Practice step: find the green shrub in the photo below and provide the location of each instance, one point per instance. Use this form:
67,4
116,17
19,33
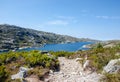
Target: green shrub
3,73
16,80
62,54
111,77
13,60
39,71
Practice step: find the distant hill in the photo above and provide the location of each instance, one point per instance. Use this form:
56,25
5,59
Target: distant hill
12,37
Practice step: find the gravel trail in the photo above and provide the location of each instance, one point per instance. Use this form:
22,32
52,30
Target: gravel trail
72,71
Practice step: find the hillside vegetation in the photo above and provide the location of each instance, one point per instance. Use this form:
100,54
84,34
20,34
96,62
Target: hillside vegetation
13,37
42,63
10,63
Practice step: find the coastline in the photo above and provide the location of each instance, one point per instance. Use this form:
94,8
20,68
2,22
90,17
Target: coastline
83,46
86,46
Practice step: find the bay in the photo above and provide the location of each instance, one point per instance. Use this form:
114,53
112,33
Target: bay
71,47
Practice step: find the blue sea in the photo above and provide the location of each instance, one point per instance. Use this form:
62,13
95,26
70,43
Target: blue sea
71,47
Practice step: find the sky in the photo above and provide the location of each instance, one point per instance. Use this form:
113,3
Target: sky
95,19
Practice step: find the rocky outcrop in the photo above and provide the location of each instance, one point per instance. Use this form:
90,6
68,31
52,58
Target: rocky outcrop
79,59
21,74
112,67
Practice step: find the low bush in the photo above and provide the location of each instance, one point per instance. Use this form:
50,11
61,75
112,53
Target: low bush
3,73
111,77
11,61
62,54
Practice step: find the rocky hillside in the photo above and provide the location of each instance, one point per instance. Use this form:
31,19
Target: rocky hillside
95,65
12,37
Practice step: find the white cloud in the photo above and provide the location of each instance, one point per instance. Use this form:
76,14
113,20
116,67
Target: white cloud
61,20
103,17
108,17
58,22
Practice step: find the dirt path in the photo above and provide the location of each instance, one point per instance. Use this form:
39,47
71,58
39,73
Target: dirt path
71,71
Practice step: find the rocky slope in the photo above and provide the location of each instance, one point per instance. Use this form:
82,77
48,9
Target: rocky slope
72,71
12,37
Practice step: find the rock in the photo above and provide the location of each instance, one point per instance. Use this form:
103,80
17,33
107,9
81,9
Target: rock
87,65
33,78
117,54
21,74
78,59
112,66
51,72
109,46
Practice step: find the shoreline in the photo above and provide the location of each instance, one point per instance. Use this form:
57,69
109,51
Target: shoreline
86,46
82,47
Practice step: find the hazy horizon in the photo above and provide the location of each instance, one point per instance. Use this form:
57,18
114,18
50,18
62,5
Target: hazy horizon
79,18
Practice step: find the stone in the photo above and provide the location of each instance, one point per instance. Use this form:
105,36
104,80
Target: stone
34,78
51,72
117,54
21,74
112,66
78,59
87,65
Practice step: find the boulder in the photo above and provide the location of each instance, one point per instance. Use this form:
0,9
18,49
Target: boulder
78,59
51,72
21,74
112,67
86,65
109,46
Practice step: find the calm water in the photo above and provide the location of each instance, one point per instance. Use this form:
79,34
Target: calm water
61,47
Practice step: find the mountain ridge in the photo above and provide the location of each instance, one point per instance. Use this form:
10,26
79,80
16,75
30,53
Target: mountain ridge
15,37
